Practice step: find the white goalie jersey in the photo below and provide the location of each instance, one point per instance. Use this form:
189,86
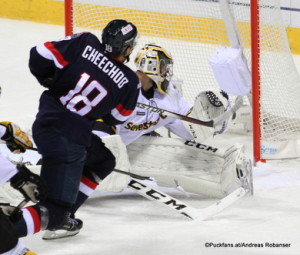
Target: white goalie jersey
142,121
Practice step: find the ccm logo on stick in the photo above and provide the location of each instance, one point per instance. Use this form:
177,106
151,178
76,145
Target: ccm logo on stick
200,146
155,195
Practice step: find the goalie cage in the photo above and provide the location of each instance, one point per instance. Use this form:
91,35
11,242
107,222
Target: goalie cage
192,31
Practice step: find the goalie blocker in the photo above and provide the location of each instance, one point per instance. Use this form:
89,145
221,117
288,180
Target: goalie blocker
206,170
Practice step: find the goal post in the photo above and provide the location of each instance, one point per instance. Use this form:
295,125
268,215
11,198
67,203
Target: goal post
193,30
68,17
254,20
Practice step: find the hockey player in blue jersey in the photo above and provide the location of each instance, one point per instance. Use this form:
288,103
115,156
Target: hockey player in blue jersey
86,80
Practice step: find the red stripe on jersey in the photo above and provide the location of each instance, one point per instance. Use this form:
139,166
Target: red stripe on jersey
35,218
56,53
123,111
89,183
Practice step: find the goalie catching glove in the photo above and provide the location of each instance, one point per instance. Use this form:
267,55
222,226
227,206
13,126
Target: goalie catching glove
29,184
16,140
208,105
213,103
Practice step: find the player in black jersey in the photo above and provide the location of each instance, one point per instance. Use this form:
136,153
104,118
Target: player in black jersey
86,80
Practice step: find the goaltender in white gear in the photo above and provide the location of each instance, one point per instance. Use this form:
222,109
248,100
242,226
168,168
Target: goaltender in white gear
174,162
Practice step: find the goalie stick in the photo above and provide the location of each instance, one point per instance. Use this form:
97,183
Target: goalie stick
136,176
181,207
177,205
210,123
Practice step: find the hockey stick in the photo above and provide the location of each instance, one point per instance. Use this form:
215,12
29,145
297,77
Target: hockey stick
175,204
22,204
182,208
136,176
17,211
210,123
237,105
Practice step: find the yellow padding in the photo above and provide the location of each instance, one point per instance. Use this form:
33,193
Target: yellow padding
294,39
52,12
172,26
43,11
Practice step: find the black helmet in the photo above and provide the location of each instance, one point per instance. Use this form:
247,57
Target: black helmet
118,35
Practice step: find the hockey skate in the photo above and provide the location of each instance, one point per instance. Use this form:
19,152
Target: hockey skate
244,174
69,227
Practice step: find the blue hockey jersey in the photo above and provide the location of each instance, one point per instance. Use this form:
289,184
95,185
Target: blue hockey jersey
84,84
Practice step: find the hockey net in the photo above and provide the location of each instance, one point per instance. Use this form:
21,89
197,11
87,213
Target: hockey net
192,30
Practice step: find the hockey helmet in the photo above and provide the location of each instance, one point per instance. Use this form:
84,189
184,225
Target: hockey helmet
118,35
156,63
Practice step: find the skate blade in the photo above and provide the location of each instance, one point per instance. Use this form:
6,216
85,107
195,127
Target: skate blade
58,234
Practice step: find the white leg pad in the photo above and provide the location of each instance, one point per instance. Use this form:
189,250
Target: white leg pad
116,182
201,169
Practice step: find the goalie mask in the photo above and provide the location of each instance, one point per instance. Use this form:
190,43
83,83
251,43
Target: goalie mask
157,64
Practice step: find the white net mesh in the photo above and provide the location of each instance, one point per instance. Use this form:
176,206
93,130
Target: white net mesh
280,84
192,30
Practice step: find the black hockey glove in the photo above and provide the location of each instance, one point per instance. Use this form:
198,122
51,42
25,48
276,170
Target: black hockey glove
47,82
31,185
16,140
11,211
